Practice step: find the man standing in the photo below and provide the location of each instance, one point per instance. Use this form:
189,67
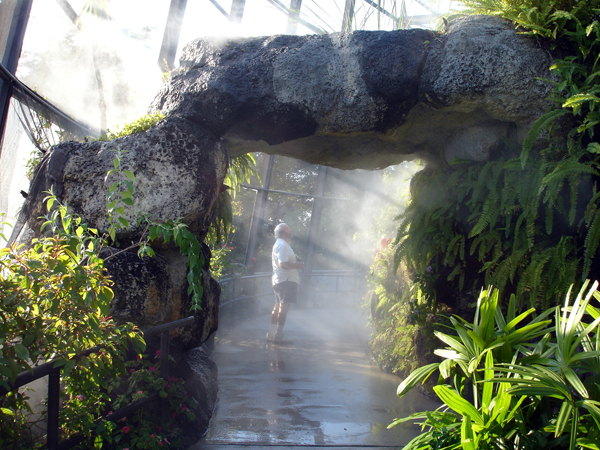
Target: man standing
286,278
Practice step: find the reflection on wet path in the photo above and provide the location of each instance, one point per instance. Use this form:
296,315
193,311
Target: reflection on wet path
317,387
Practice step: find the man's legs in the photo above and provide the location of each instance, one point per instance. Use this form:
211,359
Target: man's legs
285,294
278,316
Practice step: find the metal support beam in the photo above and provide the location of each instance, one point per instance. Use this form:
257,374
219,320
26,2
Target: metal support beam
53,409
348,16
168,50
315,220
285,10
220,8
292,25
237,10
403,20
17,11
258,213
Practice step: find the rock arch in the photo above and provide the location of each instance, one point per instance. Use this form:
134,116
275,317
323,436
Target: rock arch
365,99
359,100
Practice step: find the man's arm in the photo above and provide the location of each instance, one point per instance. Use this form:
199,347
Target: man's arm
288,265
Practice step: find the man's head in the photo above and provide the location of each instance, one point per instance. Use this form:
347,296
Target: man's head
283,231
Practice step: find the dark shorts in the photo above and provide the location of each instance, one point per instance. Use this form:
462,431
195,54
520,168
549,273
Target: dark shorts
286,292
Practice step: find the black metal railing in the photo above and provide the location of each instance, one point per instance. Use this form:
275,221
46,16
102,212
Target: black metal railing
53,372
309,282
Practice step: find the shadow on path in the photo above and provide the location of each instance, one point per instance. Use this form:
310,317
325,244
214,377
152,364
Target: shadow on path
316,388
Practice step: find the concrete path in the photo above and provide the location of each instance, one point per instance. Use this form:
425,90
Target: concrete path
317,388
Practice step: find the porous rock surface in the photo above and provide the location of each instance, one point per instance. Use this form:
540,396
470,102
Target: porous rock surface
365,99
179,170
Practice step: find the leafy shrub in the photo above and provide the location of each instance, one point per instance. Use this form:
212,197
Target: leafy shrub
509,381
137,126
54,299
149,427
403,323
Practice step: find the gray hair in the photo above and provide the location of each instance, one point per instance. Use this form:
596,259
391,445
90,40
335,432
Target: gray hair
278,229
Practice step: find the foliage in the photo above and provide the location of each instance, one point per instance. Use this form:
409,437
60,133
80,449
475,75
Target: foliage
241,169
189,246
522,222
493,223
219,261
509,381
403,326
137,126
149,427
120,196
55,299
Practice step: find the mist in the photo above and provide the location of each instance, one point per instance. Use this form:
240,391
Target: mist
359,208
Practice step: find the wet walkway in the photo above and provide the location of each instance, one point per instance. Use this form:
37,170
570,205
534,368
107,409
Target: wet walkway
317,388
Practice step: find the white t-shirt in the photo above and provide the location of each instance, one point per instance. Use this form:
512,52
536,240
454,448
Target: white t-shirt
282,252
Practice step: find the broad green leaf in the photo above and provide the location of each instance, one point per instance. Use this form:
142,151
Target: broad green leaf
452,342
563,416
445,368
457,403
528,332
69,366
477,340
124,222
467,437
450,354
592,444
129,175
416,376
21,352
536,390
513,323
488,374
577,99
593,147
7,411
592,406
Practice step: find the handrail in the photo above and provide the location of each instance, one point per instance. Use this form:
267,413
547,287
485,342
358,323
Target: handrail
53,371
314,274
169,326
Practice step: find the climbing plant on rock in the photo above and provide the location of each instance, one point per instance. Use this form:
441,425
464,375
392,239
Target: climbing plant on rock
526,220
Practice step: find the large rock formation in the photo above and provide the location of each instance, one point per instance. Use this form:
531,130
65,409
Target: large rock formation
179,170
358,100
365,99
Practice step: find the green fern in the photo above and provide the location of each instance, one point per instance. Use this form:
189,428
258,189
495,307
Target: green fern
592,240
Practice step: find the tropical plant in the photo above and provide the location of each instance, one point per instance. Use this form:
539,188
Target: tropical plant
119,197
522,222
512,382
403,326
55,298
149,427
241,169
